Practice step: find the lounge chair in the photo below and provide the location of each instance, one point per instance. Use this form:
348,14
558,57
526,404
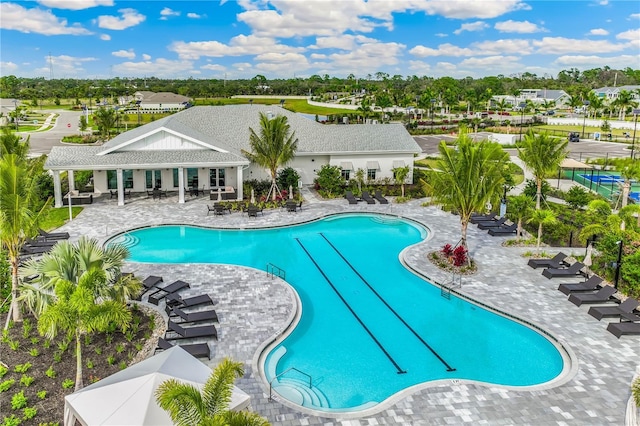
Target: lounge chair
601,296
572,270
367,197
292,206
198,316
174,299
591,284
350,197
26,249
477,218
378,196
555,262
148,283
54,235
162,292
630,326
210,209
220,209
492,224
504,230
626,307
252,211
189,332
198,350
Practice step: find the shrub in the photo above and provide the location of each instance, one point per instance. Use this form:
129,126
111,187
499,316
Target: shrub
26,328
89,364
34,352
63,345
122,365
51,373
26,380
22,368
119,348
14,345
42,394
330,181
35,340
68,383
111,360
6,385
18,401
447,250
459,256
12,420
98,351
57,357
29,412
3,370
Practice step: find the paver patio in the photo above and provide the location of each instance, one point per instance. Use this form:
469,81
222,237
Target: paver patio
252,308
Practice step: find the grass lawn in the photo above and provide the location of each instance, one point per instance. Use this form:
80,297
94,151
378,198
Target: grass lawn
587,129
56,217
295,105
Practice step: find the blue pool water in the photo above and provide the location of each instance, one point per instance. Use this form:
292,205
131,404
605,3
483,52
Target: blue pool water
369,328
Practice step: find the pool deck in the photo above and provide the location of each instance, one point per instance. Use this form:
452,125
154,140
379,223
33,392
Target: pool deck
253,308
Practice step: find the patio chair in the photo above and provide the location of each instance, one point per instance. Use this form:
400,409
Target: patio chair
220,209
53,235
350,197
629,324
253,210
378,196
30,250
601,296
174,299
492,224
367,197
626,307
191,317
162,292
482,218
210,209
593,283
190,332
147,284
198,350
504,230
574,269
292,206
555,262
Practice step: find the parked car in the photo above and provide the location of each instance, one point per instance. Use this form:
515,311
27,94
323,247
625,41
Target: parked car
574,137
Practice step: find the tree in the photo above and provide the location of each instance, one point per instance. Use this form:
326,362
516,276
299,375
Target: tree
330,180
542,154
467,177
273,147
105,119
577,197
400,175
76,312
542,218
188,406
10,143
288,177
520,207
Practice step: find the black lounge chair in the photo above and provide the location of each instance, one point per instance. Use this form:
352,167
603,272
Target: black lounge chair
504,230
477,218
148,283
601,296
53,235
555,262
378,196
27,249
629,324
492,224
189,332
591,284
252,211
162,292
220,209
572,270
174,299
626,307
193,317
367,197
350,197
198,350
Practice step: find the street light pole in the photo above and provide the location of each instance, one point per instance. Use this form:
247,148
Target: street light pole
635,126
15,113
522,106
584,116
617,276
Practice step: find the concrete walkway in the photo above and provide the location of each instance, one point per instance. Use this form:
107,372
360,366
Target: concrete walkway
253,308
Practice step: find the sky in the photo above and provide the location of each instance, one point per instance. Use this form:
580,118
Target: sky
99,39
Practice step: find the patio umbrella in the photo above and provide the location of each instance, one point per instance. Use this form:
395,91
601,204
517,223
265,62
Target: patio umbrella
253,196
219,194
587,258
290,192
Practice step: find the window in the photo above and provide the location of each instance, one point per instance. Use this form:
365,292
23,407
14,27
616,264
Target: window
216,178
346,174
371,174
192,177
176,180
112,179
153,179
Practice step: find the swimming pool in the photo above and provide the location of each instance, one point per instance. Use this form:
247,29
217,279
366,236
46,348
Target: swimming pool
369,327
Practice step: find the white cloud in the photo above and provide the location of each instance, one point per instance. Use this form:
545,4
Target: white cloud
238,46
369,57
466,9
603,2
8,67
522,27
281,63
488,61
501,47
634,16
561,45
129,18
441,35
599,32
446,49
193,15
129,54
213,67
75,4
318,56
419,67
105,37
159,68
342,42
65,65
243,67
16,17
595,61
146,57
167,12
472,26
629,35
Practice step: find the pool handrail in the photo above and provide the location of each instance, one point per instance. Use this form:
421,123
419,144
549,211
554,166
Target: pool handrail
285,372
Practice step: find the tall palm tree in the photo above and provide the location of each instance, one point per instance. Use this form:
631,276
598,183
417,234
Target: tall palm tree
542,154
105,119
76,312
541,218
10,143
18,220
520,207
467,177
188,406
399,175
624,101
274,146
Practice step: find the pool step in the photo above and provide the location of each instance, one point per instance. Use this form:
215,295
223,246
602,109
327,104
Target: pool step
310,397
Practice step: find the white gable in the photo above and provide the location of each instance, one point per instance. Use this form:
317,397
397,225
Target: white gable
161,141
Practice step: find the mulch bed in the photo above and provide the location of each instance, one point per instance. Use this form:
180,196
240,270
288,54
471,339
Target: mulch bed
102,355
444,263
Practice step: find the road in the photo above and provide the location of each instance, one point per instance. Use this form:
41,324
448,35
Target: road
66,124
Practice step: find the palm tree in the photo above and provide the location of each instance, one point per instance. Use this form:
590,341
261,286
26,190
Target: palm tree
467,177
629,170
273,147
520,208
541,218
18,220
188,406
10,143
399,175
105,119
76,312
624,101
542,154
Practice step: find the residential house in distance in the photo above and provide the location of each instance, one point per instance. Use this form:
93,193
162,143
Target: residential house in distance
612,93
159,102
559,98
201,147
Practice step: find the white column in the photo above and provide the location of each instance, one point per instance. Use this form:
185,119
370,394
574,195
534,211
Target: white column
181,185
57,190
239,180
120,183
72,182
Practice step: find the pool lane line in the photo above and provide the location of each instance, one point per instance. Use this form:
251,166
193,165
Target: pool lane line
395,364
449,368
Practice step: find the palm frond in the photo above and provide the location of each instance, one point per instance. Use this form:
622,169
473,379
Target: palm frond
182,401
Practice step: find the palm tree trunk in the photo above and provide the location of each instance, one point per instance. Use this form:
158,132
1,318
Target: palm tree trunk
538,193
402,189
626,187
463,241
539,237
15,307
519,229
79,384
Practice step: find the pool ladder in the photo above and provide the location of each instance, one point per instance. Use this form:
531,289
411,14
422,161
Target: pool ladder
275,271
445,289
285,372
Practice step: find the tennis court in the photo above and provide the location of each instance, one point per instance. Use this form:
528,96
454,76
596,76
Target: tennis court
605,183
